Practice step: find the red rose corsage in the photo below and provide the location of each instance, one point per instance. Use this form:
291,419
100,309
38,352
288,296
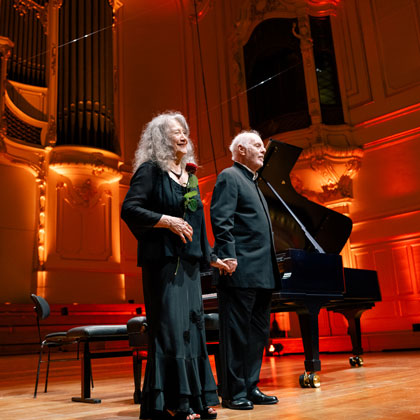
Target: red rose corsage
191,168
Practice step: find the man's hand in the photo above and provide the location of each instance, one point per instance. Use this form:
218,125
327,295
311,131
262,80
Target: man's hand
231,266
220,265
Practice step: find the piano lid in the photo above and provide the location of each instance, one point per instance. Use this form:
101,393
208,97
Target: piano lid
327,227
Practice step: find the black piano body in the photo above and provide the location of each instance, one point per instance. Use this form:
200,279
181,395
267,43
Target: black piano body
308,239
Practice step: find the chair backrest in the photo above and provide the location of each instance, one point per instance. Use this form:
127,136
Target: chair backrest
41,308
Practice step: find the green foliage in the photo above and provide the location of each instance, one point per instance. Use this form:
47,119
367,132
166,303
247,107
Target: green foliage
190,202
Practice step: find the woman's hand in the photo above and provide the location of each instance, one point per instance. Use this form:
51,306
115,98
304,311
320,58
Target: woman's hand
178,226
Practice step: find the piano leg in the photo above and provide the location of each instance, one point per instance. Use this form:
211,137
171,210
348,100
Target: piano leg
308,320
353,316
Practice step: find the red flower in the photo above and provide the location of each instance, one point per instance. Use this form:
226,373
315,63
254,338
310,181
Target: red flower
191,168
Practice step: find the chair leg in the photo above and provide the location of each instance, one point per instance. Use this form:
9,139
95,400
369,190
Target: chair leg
48,370
137,365
38,370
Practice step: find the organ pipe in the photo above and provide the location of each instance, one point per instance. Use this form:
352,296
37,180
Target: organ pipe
85,82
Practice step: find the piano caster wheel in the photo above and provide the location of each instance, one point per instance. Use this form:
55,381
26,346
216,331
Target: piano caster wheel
309,380
303,381
356,361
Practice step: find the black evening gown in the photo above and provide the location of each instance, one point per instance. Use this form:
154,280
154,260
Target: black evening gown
178,367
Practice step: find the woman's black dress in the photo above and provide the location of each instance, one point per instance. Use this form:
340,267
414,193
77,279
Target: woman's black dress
178,367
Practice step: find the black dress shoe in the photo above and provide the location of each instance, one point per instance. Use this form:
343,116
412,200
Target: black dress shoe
239,404
258,398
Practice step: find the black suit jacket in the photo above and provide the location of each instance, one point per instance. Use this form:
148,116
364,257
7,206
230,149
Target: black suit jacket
242,229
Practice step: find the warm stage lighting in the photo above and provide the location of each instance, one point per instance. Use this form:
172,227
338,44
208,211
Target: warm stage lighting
274,349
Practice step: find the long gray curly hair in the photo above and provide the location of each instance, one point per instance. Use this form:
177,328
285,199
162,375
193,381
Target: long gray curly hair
155,145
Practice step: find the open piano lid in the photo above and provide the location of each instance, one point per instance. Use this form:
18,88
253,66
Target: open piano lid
329,228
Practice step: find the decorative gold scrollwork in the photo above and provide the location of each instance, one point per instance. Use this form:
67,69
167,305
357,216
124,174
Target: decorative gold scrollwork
25,6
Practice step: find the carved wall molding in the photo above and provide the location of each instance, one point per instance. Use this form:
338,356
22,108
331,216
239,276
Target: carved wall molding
6,46
51,136
83,226
399,61
53,59
56,3
25,156
83,193
254,12
72,161
351,46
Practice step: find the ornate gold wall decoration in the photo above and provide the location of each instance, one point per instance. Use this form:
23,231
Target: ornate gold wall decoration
334,170
83,194
83,228
53,62
6,46
115,4
51,137
259,8
41,181
73,161
41,12
56,3
306,48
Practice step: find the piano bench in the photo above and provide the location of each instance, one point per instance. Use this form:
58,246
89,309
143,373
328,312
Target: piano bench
138,341
90,334
211,322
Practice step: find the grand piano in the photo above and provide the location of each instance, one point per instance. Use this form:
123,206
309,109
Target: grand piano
308,239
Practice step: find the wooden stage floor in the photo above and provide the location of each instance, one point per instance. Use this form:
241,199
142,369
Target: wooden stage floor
387,387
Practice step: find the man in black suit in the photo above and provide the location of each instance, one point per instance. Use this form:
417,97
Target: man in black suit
244,241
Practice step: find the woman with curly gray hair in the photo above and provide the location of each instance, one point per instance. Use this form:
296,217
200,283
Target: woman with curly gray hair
156,146
164,212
